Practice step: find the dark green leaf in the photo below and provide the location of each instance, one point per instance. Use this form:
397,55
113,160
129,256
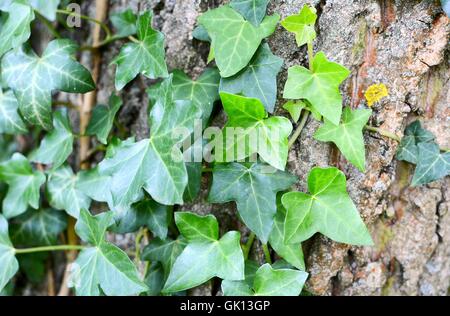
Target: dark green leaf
102,119
431,165
164,251
253,11
124,22
155,279
414,135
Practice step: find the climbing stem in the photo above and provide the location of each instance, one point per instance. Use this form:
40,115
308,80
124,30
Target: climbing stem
267,253
299,129
48,24
49,248
383,133
85,17
248,245
310,55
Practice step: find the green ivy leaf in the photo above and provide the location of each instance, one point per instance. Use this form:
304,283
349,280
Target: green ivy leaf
57,145
204,257
272,133
164,251
8,262
320,86
24,185
414,135
295,109
37,228
14,25
103,266
194,170
302,25
145,213
253,11
124,22
102,119
46,7
269,282
33,78
154,164
95,185
348,135
155,279
431,165
328,210
292,253
146,57
62,192
258,80
201,34
234,40
10,120
254,188
203,92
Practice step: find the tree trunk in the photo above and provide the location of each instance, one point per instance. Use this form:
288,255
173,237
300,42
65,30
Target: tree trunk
403,44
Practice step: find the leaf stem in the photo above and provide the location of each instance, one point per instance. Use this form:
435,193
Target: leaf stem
310,55
49,248
137,253
207,170
248,245
88,18
48,24
299,129
133,39
383,132
66,104
267,253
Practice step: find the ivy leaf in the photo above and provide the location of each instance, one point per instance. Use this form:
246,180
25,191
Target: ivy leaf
24,185
47,8
328,210
155,279
320,86
154,164
15,25
269,282
95,185
431,165
203,92
258,80
57,145
204,257
295,109
302,24
201,34
234,40
33,78
102,119
124,22
292,253
10,120
272,133
253,11
348,136
164,251
414,135
146,57
8,261
103,266
37,228
145,213
254,188
62,192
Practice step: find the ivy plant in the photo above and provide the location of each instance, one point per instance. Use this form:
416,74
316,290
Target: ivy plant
70,188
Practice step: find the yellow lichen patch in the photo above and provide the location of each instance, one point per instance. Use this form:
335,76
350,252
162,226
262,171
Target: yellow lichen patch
375,93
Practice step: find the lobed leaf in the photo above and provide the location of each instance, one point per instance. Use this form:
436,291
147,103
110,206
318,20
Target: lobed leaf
302,25
432,165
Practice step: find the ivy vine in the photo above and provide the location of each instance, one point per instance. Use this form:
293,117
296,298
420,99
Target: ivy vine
48,194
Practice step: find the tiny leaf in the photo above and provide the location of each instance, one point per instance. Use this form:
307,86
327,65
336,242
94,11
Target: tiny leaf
302,25
103,118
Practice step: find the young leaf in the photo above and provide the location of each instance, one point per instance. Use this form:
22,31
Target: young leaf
33,78
63,194
24,185
295,109
37,228
203,92
234,40
348,135
253,11
103,266
103,118
57,145
328,210
320,86
302,25
258,80
431,165
8,262
146,57
155,164
204,257
15,25
46,7
195,228
124,22
292,253
164,251
271,141
254,189
268,282
10,120
414,135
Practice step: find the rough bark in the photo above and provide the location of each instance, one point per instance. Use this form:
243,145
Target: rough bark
403,44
